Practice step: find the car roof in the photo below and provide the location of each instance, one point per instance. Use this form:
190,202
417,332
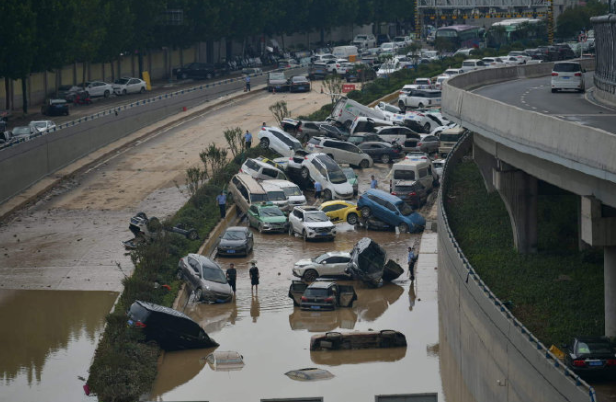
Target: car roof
237,228
321,285
387,144
383,195
336,202
280,183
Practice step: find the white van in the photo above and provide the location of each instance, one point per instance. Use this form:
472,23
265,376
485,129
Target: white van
448,139
343,52
367,125
472,65
260,170
346,110
291,190
413,169
276,196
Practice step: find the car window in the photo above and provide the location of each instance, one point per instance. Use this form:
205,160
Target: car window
214,275
404,175
567,67
250,164
193,264
253,209
234,234
276,195
298,214
405,209
273,173
258,197
319,168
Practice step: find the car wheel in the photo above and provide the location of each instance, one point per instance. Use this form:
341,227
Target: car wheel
198,294
365,212
142,90
352,219
364,164
402,106
305,235
426,127
420,106
192,235
265,143
106,94
260,228
179,274
291,232
385,158
305,173
124,92
310,276
404,228
327,195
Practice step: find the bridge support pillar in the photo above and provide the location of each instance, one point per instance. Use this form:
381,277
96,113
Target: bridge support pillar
486,163
599,230
519,193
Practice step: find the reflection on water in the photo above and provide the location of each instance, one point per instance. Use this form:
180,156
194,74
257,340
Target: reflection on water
177,368
372,303
49,338
322,321
255,308
339,357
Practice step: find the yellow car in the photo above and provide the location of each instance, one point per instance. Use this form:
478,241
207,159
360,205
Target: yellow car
340,211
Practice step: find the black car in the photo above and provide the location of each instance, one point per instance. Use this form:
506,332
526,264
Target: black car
368,262
381,151
321,295
591,355
235,241
55,107
317,71
564,51
197,71
412,192
299,83
360,73
171,329
360,138
331,131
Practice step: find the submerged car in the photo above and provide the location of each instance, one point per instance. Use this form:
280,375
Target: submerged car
235,241
321,295
341,211
205,278
267,217
358,340
591,355
368,262
171,329
333,263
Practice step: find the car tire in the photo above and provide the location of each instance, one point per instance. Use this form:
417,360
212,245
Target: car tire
327,195
385,158
124,92
364,164
310,276
179,275
291,232
198,294
264,143
305,235
403,228
352,219
142,90
426,127
365,212
107,94
420,106
192,235
305,173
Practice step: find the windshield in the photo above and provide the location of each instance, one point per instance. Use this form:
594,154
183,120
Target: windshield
234,235
405,209
316,217
449,137
21,130
315,292
121,81
337,176
270,212
290,191
320,258
349,173
277,76
404,175
276,196
214,275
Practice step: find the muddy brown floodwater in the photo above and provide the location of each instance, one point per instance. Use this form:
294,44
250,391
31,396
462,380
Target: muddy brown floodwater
274,336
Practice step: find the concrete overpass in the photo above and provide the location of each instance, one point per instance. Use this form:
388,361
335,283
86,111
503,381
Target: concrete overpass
514,147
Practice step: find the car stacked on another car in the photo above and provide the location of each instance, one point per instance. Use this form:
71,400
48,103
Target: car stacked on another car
341,211
277,140
235,241
291,191
205,278
412,192
391,210
311,223
382,151
311,167
340,151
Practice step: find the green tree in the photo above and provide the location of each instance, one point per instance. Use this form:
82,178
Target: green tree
89,33
575,19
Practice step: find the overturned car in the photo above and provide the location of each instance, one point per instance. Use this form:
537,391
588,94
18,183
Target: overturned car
369,263
357,340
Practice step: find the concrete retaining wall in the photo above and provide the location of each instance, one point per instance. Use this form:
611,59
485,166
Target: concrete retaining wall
26,163
574,146
497,357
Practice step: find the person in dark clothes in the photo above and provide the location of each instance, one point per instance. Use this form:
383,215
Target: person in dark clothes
232,276
221,200
411,260
254,276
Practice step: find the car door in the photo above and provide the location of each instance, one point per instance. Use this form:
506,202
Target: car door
194,274
337,265
94,89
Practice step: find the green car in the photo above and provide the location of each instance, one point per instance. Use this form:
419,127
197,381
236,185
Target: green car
267,217
351,178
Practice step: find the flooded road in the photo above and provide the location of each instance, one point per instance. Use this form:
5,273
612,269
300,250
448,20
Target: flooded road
274,336
48,341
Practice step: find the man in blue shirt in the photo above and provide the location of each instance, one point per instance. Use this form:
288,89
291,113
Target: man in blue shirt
373,182
221,200
317,190
411,262
248,139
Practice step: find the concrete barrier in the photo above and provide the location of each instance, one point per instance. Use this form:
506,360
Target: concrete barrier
574,146
497,358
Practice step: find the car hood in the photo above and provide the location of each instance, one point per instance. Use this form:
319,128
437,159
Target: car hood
218,287
320,224
303,263
343,188
232,243
274,219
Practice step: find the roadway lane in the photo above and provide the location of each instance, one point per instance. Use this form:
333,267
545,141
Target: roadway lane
535,94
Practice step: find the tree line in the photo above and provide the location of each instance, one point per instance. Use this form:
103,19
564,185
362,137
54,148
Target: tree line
43,35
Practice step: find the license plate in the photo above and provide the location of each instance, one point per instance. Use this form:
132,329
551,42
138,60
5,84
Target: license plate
595,363
315,307
323,234
300,87
566,78
230,251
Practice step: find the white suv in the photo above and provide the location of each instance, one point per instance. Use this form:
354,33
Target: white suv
321,168
311,223
333,263
568,75
276,139
364,41
341,151
420,98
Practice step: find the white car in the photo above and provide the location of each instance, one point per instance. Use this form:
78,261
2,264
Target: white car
492,62
310,223
403,41
568,75
42,126
333,263
260,170
472,65
388,68
128,85
319,58
388,47
341,66
364,41
439,81
438,130
420,98
320,167
291,191
279,141
437,167
98,88
340,151
453,72
511,60
521,56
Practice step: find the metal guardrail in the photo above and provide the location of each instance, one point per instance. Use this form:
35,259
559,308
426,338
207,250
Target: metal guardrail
605,40
498,304
145,102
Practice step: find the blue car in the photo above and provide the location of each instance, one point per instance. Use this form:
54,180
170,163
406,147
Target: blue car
391,210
